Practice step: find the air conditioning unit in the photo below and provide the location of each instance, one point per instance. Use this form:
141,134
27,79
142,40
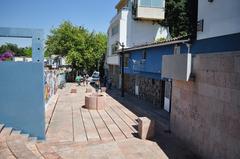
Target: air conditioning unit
177,66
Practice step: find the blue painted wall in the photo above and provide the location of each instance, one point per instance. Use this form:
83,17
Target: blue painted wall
22,97
217,44
153,64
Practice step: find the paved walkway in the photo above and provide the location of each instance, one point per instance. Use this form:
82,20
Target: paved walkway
72,122
75,132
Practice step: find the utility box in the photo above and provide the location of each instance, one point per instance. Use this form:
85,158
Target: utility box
177,66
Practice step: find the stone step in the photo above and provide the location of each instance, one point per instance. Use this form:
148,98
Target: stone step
1,127
4,151
6,131
25,136
14,145
128,148
32,146
16,132
19,149
74,144
32,139
47,151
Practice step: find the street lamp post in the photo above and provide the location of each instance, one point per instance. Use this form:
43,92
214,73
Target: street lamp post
122,67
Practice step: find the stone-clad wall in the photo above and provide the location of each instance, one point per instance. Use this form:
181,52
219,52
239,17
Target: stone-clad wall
114,75
206,112
149,89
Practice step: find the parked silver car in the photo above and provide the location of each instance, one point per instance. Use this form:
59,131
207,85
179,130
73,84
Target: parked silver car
95,77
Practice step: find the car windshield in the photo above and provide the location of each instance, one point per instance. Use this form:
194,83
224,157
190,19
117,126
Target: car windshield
95,76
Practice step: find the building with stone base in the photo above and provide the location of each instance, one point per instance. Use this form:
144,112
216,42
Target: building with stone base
136,23
206,108
197,79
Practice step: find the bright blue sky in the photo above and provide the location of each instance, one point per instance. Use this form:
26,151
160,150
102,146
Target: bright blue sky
46,14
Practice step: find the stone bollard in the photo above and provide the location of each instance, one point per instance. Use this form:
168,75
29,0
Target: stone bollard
103,89
94,101
145,128
90,102
101,102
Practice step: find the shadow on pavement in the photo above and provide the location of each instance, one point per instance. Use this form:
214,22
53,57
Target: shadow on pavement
172,146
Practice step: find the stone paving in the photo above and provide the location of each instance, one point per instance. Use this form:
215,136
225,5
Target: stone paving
74,132
72,122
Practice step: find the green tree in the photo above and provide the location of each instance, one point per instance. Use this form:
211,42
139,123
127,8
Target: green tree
18,51
27,51
82,48
177,17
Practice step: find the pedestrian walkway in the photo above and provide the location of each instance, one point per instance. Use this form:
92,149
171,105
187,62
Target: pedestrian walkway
73,132
116,125
142,108
72,122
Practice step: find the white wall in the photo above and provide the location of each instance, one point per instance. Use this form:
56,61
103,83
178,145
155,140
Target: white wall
142,32
221,17
22,59
132,32
113,60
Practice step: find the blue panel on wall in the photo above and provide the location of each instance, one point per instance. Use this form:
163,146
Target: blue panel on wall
151,66
217,44
153,61
22,97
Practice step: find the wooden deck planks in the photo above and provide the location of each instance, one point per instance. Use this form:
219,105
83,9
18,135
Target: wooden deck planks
78,127
115,131
72,122
125,129
125,118
91,131
104,133
125,110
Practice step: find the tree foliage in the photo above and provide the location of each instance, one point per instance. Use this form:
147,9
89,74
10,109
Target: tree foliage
18,51
82,48
177,17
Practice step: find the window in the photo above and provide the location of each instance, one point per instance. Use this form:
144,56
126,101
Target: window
152,3
177,49
115,30
114,48
144,54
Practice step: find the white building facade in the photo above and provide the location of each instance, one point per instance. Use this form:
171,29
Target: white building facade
136,23
219,18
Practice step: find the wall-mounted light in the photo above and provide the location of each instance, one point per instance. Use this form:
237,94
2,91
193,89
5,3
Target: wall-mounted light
200,25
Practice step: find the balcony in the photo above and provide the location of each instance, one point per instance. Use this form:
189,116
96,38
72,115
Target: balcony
150,10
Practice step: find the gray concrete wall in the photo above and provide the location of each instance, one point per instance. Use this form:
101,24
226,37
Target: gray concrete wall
206,112
149,89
